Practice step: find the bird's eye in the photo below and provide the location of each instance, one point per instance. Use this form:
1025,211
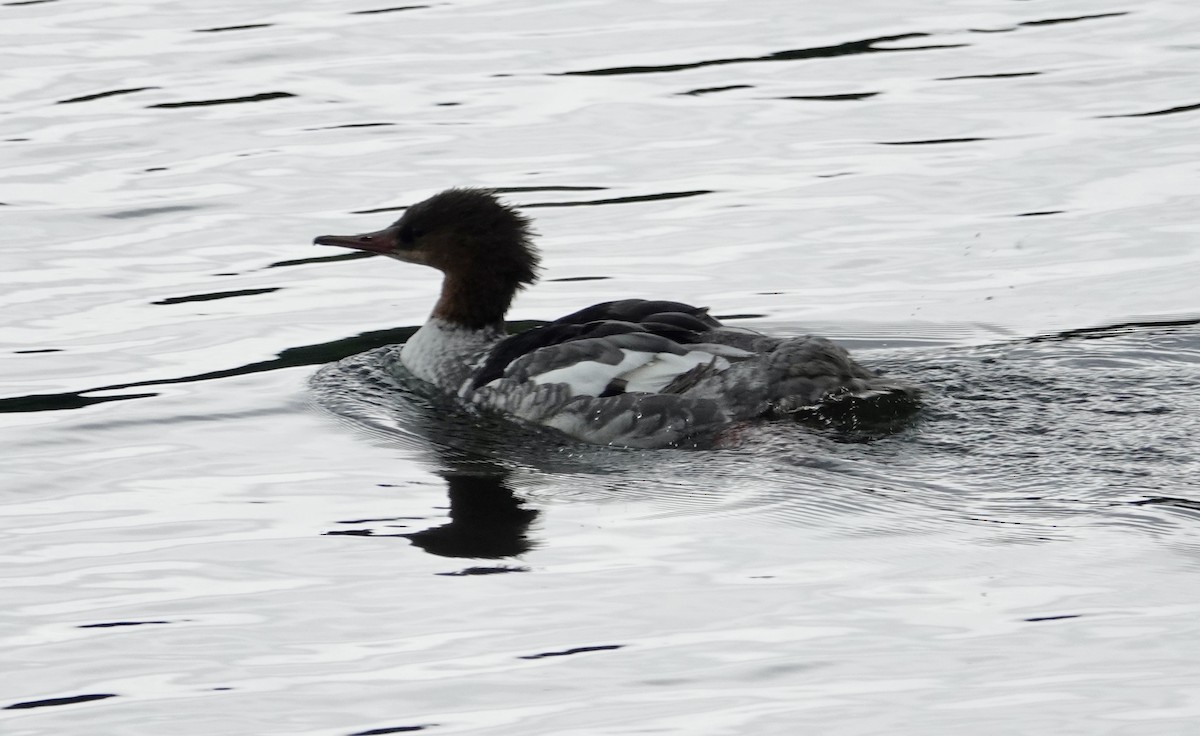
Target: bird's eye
408,235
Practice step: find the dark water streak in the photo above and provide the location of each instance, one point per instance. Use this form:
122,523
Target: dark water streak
260,97
393,729
1000,75
932,142
1071,19
843,97
102,95
850,48
213,296
222,29
51,702
1157,113
621,200
317,354
713,90
380,11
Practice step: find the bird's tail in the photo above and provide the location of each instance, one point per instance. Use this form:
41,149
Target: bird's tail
876,403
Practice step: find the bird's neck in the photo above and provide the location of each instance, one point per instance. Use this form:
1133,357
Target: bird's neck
476,301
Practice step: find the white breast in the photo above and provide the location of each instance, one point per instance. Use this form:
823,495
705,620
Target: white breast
445,354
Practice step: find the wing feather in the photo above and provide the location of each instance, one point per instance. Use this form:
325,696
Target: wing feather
674,323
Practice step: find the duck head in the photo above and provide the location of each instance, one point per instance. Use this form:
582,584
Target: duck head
483,246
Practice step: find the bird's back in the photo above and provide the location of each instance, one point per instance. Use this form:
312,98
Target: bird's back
650,374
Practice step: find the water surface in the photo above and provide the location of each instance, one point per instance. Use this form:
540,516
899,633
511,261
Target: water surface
993,198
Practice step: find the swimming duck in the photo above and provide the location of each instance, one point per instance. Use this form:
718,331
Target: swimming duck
634,372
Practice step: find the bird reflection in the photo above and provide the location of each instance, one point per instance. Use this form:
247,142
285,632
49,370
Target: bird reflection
487,519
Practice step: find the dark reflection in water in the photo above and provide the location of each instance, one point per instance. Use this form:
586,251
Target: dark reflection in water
486,520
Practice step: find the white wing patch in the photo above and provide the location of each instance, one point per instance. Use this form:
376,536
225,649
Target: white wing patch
654,375
590,377
641,371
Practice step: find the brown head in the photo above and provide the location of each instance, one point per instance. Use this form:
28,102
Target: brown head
483,247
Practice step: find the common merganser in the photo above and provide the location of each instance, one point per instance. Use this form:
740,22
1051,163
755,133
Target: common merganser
633,373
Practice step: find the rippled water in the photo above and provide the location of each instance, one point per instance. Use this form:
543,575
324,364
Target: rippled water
203,533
